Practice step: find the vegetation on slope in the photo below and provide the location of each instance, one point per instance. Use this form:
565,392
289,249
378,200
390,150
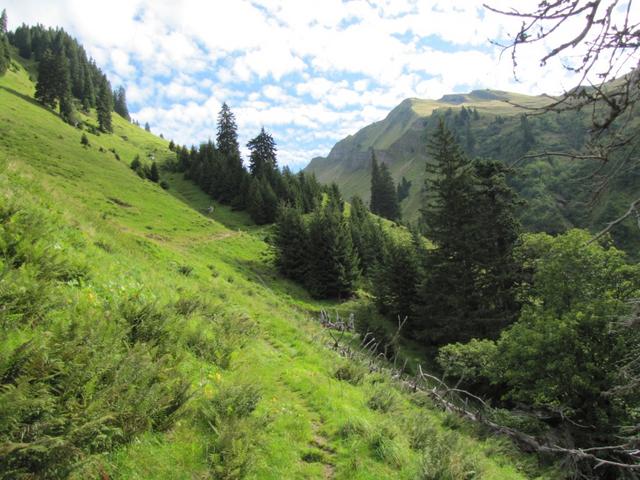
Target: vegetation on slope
559,193
150,341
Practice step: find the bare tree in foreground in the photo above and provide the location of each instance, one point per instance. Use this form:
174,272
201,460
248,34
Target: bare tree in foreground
599,41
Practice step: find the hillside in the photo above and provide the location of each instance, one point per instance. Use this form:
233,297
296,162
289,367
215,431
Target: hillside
143,339
559,193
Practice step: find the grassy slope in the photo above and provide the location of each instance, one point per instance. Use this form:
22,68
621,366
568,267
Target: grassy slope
150,233
384,134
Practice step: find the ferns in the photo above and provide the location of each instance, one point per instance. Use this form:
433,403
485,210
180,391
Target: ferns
72,383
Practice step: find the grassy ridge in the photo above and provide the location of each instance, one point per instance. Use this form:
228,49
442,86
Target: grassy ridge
263,397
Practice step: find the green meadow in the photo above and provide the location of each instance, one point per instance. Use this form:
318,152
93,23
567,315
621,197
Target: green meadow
155,341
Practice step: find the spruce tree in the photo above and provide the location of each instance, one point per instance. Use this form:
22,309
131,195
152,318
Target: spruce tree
527,140
389,206
366,235
105,106
3,22
262,160
384,197
291,240
227,138
498,229
232,171
375,202
333,266
154,174
5,54
395,281
120,103
45,86
446,297
147,127
403,189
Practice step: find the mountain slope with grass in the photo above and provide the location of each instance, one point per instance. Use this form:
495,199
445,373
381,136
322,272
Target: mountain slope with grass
559,193
144,339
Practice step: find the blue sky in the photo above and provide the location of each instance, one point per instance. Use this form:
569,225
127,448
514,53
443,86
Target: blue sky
310,72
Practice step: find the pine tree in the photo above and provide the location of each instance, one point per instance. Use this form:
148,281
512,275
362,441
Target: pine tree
232,171
376,201
147,127
384,198
3,22
262,160
333,267
389,206
403,189
395,281
5,54
120,103
227,138
527,141
45,86
291,240
154,175
446,297
366,235
497,271
105,106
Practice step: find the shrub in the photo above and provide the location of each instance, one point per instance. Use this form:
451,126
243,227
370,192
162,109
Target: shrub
164,185
84,140
351,372
185,270
383,399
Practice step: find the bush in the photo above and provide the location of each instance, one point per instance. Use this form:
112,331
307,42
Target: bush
226,414
351,372
164,185
84,140
383,399
471,360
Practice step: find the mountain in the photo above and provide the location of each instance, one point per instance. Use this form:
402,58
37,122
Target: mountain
144,335
559,193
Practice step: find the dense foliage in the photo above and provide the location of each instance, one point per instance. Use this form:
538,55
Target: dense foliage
384,196
64,72
5,53
217,168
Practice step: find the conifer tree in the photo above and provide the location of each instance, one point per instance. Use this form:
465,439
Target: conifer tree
384,197
154,175
3,22
147,127
120,103
395,281
232,171
527,139
262,160
227,138
366,235
333,267
45,86
104,106
403,189
291,240
5,54
445,304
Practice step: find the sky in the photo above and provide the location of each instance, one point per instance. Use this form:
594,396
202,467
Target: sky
309,72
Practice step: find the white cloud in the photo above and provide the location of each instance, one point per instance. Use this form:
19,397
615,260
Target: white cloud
310,72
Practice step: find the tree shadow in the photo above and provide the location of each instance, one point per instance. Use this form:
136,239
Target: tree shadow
29,99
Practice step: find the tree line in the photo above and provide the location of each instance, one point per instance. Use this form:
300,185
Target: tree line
218,169
5,52
68,79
